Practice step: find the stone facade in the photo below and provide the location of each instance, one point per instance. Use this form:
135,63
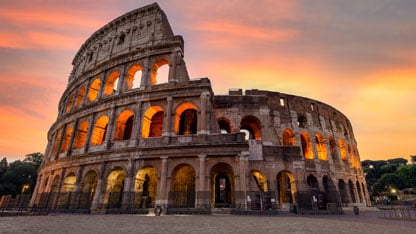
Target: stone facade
126,139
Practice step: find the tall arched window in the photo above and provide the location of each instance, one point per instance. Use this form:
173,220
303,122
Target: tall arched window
160,72
94,89
124,125
99,131
81,135
224,124
133,76
57,141
111,83
306,145
67,139
252,125
289,137
152,122
186,119
69,102
80,96
342,149
321,147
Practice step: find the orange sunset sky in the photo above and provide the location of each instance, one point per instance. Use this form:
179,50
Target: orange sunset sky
357,56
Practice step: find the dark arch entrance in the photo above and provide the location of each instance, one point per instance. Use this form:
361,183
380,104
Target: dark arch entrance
222,185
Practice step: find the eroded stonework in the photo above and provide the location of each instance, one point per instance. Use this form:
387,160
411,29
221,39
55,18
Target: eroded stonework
128,139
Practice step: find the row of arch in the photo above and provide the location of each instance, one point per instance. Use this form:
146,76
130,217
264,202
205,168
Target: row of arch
134,78
252,127
144,189
348,192
288,138
151,126
116,189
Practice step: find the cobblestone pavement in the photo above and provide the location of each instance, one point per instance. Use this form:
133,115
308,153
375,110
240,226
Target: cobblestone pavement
366,222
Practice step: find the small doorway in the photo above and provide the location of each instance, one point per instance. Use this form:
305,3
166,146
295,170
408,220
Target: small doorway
222,186
222,191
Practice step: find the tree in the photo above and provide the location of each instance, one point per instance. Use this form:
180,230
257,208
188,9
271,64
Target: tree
388,181
407,174
35,158
398,161
14,175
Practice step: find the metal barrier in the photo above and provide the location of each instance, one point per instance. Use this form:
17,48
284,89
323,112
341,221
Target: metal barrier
398,212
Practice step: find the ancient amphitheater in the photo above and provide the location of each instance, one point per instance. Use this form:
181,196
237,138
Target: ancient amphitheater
127,139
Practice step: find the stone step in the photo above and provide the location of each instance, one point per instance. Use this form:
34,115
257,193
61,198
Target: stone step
220,211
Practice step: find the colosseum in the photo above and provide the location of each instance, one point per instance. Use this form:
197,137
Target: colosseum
129,138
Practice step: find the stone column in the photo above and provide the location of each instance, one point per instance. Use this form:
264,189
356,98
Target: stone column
243,169
203,116
62,178
167,124
137,125
90,130
99,193
127,201
110,127
35,191
202,191
73,135
162,199
146,74
76,193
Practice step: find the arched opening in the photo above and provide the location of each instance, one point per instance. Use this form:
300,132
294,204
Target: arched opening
111,83
261,180
88,189
121,39
133,77
124,126
160,72
69,102
342,149
145,187
252,125
94,89
152,122
54,192
67,139
55,184
313,184
360,196
289,137
321,147
225,126
306,145
286,188
57,142
80,96
352,191
331,194
343,191
183,191
81,135
99,131
186,119
222,180
364,192
114,190
67,190
302,121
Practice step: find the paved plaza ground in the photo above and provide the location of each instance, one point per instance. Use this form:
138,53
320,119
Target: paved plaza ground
369,221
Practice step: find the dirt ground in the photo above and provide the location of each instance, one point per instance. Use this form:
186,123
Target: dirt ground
370,221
